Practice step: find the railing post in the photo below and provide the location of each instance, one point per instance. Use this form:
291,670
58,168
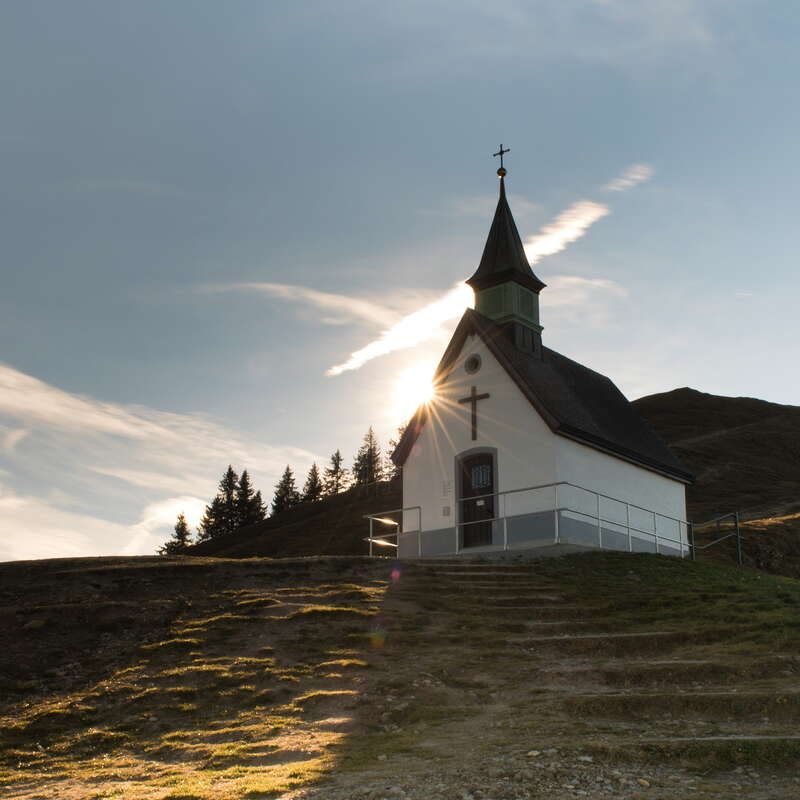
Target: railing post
371,523
628,526
555,512
655,530
599,526
738,539
505,523
690,532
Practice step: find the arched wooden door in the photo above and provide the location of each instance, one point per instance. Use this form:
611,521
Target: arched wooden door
477,480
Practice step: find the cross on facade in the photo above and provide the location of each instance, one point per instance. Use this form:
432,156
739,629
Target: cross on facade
501,153
473,399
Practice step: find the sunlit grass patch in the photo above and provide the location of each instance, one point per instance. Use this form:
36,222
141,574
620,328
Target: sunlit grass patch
316,698
257,602
173,644
308,612
226,619
342,663
191,670
243,661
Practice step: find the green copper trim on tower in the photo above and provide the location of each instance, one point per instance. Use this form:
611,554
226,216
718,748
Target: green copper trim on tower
509,302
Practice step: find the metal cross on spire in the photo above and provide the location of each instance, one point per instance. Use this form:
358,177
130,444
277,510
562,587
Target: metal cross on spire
501,153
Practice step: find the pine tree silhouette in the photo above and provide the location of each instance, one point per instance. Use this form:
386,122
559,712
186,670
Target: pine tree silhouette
180,541
393,470
286,494
368,464
312,491
248,504
336,476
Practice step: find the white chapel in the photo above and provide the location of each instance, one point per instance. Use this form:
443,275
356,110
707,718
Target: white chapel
522,448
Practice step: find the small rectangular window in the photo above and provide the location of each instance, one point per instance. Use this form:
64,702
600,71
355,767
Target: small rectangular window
481,476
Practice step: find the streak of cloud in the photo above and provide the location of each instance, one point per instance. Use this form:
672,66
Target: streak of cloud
413,329
11,438
574,290
569,226
632,176
342,307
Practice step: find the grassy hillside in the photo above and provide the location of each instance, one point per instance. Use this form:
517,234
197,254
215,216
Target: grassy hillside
603,675
335,526
745,453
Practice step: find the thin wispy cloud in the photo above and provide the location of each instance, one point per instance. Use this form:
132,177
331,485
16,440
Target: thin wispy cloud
119,452
11,437
589,302
412,330
632,176
343,308
483,205
569,226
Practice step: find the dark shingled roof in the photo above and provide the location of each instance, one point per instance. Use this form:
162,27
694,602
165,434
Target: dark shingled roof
504,256
573,400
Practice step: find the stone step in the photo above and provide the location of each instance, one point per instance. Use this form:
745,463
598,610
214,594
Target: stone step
706,752
732,704
612,642
683,672
555,612
457,602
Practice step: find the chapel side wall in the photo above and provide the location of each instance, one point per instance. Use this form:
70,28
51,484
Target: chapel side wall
506,422
611,476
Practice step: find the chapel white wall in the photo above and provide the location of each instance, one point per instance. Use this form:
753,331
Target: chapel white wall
528,454
592,469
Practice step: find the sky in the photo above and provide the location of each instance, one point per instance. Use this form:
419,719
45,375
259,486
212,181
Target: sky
236,232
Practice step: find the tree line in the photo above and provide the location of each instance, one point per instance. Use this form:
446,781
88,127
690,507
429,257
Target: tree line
237,504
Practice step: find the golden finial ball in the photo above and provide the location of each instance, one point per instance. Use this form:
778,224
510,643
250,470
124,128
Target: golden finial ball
502,172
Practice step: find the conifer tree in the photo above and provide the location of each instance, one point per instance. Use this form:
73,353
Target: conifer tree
393,470
249,506
180,541
259,507
211,523
229,520
335,476
368,464
221,514
312,491
286,494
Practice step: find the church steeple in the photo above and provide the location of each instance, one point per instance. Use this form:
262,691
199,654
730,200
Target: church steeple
506,288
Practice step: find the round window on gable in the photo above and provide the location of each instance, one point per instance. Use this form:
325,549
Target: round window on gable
472,364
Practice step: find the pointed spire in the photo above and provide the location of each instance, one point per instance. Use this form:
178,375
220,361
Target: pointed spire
504,256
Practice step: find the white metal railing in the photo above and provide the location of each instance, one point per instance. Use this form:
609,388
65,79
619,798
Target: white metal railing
384,519
560,506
